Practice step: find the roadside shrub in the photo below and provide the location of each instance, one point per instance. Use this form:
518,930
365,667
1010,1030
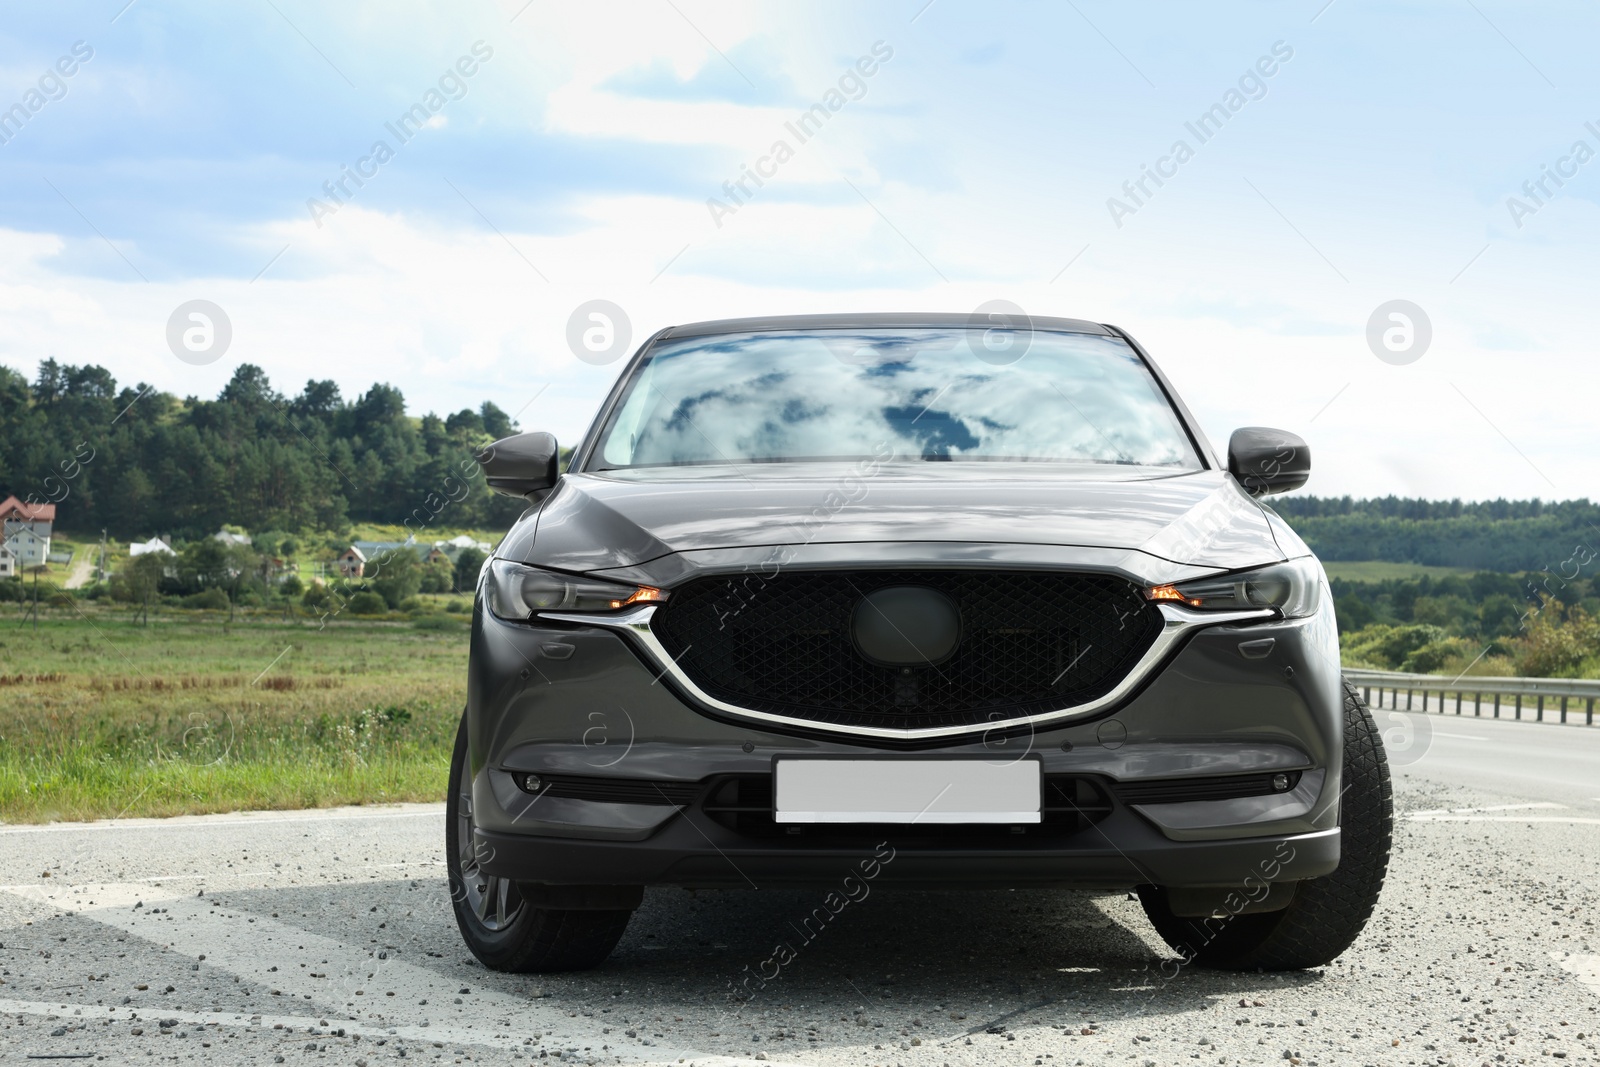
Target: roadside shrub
1557,647
1433,656
212,599
438,622
1385,647
365,603
458,607
415,605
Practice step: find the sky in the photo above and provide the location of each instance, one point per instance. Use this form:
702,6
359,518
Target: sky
433,195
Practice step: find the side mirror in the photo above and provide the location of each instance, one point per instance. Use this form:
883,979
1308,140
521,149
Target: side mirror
1267,461
521,465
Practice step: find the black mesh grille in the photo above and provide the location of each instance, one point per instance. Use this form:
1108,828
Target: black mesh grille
1212,787
1031,642
608,790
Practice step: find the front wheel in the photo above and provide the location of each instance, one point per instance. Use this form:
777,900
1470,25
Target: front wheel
1325,914
503,930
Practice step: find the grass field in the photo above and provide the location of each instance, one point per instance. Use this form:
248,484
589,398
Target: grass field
1374,570
103,718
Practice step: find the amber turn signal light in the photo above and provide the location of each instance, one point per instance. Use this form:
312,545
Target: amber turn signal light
641,595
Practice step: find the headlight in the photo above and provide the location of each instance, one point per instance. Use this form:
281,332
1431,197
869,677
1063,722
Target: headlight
1294,588
516,592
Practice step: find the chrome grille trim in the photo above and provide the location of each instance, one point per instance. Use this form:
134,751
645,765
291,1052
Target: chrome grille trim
1178,624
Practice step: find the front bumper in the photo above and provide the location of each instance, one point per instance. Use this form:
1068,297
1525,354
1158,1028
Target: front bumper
566,699
694,852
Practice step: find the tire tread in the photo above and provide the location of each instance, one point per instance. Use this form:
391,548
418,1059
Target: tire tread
1328,913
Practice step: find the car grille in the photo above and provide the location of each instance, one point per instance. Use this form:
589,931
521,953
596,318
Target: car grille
1210,787
1031,642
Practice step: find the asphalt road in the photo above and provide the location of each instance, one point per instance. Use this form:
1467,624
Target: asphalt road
1531,760
326,938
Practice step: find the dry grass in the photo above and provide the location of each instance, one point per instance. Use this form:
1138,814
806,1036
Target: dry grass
104,719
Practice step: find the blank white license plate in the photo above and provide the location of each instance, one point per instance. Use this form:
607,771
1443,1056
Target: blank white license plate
906,791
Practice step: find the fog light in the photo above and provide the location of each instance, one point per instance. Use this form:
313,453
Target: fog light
1280,782
532,784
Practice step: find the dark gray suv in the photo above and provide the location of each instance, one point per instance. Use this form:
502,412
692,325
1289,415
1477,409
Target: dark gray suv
917,600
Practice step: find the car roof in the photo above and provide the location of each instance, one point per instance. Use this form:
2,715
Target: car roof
858,320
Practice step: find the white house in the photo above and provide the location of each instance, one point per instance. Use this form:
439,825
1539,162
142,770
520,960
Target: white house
231,538
25,528
454,547
155,544
8,561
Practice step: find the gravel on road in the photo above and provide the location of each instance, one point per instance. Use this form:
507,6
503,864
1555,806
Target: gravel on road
326,937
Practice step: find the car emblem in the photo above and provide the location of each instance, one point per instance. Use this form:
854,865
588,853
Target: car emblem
906,626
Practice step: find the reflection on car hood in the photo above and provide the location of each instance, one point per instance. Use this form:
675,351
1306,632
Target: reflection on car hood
623,518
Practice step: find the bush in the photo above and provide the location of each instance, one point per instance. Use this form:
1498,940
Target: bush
468,564
292,585
438,622
415,605
365,603
316,596
1385,647
458,607
212,599
1557,647
1432,657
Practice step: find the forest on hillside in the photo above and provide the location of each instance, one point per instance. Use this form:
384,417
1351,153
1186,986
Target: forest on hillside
1494,535
136,461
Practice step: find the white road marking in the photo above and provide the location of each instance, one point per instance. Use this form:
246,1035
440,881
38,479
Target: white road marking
325,975
1459,737
1491,807
1587,968
254,818
1503,819
256,1021
96,896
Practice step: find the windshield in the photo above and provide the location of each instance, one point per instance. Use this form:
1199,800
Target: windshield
945,394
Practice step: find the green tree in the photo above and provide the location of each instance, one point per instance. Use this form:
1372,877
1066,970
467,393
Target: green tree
203,563
210,564
395,575
496,423
438,577
468,564
139,581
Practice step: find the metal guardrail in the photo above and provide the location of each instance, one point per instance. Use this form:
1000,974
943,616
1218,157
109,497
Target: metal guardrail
1572,696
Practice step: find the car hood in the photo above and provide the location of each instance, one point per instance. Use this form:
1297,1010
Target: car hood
621,519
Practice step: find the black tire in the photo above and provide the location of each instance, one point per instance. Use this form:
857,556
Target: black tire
502,929
1325,914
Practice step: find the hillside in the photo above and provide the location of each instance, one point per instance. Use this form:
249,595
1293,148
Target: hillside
135,461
